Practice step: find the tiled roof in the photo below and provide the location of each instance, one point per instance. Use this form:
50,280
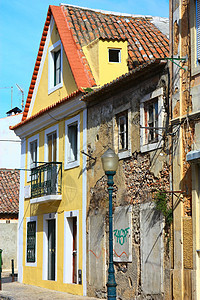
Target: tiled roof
78,27
9,191
145,40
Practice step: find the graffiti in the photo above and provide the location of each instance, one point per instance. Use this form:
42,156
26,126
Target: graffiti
104,250
95,254
120,254
121,235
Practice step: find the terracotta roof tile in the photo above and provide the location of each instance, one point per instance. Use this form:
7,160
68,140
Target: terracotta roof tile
9,191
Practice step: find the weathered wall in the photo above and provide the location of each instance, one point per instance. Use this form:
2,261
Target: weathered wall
8,243
137,177
184,97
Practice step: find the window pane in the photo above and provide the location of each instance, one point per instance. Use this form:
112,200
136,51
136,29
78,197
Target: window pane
51,140
33,154
151,121
123,131
57,67
31,241
114,55
72,136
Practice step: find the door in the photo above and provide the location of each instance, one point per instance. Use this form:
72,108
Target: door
51,249
74,278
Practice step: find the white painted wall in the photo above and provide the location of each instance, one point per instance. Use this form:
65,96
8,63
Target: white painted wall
10,146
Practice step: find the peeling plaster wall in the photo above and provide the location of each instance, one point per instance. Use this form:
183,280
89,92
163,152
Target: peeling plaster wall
137,176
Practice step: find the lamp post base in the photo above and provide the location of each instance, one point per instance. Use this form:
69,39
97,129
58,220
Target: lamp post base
111,291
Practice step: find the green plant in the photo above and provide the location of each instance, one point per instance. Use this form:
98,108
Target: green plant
162,205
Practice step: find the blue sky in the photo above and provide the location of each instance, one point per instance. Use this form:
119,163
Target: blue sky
21,24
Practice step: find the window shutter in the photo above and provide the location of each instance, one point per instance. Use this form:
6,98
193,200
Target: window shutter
198,28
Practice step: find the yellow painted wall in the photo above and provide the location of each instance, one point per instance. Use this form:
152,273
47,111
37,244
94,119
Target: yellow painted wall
97,56
71,200
42,99
91,52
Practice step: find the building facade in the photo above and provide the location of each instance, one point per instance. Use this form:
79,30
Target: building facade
184,111
80,50
130,115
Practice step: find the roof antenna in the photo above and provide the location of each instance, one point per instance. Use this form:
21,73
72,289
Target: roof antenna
22,95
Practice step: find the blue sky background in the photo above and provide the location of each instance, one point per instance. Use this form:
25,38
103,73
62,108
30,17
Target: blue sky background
21,24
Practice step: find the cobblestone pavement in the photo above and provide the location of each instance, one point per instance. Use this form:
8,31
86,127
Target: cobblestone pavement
19,291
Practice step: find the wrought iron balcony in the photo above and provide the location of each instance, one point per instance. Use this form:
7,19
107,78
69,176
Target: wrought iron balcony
46,179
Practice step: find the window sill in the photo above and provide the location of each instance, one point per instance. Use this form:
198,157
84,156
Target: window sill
53,89
46,199
124,154
29,264
151,147
72,165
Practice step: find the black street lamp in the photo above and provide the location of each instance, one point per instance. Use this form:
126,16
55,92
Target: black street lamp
110,162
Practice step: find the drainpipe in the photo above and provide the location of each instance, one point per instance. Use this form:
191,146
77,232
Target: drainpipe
171,130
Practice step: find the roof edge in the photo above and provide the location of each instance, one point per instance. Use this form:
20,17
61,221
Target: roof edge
107,12
48,108
132,73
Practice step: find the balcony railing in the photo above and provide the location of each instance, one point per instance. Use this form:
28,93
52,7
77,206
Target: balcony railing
46,179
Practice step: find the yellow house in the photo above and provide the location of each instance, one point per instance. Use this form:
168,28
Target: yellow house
77,54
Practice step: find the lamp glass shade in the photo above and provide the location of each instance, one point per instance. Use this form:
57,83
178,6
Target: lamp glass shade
110,160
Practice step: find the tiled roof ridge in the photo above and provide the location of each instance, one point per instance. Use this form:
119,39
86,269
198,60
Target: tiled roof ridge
106,12
42,111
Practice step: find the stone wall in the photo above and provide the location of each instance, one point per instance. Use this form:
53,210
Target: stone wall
8,243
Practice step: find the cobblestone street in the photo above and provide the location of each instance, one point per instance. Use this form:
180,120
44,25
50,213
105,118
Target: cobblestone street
19,291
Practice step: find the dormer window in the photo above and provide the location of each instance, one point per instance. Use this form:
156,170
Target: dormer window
114,55
55,80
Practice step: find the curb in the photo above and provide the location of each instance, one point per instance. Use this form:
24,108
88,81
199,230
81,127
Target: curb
6,297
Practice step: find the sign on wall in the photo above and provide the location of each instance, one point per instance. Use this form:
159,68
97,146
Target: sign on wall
122,234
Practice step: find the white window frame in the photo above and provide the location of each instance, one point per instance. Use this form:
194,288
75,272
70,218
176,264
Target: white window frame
30,140
195,64
51,129
54,48
68,259
76,163
144,145
119,55
31,264
126,152
47,217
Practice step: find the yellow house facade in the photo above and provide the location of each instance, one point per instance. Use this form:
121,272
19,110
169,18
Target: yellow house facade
52,241
54,203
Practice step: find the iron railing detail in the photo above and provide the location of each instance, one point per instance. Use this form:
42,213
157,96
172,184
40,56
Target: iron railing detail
46,179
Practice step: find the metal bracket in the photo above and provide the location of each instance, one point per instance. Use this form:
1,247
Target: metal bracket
182,59
94,158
